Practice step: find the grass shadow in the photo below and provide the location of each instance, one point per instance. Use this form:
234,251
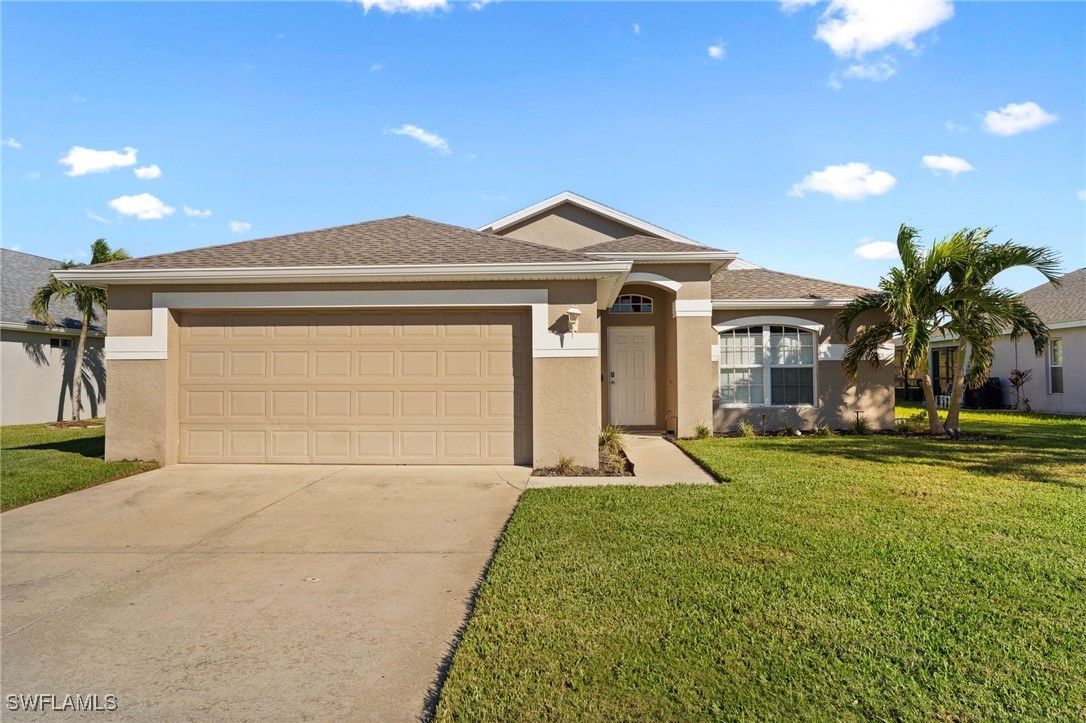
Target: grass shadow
94,447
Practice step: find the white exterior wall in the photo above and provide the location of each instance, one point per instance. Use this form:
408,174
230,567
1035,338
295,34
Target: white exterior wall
1019,355
36,379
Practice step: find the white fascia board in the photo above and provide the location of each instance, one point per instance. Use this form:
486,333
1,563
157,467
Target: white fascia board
52,330
780,303
666,257
1059,325
577,200
390,272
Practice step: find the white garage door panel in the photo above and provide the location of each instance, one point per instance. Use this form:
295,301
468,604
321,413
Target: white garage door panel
431,387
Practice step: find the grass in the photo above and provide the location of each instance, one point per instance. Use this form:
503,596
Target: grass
829,578
38,463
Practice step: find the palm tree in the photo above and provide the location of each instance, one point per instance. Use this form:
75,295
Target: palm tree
913,303
980,312
88,299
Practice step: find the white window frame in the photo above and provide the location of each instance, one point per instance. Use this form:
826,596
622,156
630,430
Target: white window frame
634,298
1052,343
767,360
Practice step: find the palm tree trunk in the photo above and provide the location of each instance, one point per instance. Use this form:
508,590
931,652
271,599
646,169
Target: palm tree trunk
934,425
957,390
77,383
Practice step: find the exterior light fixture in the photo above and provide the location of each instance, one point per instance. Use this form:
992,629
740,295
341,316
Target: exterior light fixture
572,315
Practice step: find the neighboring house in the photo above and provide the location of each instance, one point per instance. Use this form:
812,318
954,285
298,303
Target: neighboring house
407,341
1059,374
37,361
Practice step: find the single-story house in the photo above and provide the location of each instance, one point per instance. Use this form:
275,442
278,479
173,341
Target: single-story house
1058,382
37,361
407,341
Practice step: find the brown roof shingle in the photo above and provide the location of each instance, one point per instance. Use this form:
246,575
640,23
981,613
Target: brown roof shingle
402,240
742,284
1055,305
643,244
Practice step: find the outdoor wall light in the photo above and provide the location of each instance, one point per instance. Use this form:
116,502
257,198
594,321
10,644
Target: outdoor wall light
572,315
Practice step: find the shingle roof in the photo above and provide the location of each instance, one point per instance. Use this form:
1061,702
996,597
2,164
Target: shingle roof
391,241
743,284
1064,303
643,244
20,276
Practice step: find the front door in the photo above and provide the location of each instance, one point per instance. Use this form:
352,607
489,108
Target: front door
631,356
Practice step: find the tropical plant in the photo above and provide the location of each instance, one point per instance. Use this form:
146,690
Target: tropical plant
823,430
702,431
1018,379
860,424
565,466
612,438
746,429
978,311
88,299
913,304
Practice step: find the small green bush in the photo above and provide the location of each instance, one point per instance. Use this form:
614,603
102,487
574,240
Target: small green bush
786,429
823,430
564,466
612,438
860,424
702,431
746,429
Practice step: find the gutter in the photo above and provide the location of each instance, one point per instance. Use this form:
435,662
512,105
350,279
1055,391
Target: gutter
780,303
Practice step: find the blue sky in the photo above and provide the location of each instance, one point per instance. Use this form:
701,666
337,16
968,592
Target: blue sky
793,133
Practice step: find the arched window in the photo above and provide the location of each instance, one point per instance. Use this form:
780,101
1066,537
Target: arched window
632,304
767,365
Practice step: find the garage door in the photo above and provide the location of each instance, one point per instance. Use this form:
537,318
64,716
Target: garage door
365,387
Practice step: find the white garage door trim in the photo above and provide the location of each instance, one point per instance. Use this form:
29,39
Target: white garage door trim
544,342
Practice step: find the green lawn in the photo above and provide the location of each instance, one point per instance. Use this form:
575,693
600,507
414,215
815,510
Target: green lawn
829,578
38,463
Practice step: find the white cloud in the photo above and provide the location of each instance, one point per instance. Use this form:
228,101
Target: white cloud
95,217
34,175
1081,195
1015,118
716,52
196,213
952,127
849,182
854,27
637,28
81,161
791,7
872,250
143,206
78,99
16,247
951,164
480,4
377,67
12,143
405,6
146,173
240,226
876,72
423,136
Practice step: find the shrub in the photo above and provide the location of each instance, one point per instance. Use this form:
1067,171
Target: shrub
919,421
860,424
702,431
746,429
786,429
823,430
564,466
612,439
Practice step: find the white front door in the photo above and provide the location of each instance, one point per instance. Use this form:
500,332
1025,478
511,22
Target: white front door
631,356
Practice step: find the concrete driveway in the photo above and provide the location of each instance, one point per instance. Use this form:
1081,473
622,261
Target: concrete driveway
249,592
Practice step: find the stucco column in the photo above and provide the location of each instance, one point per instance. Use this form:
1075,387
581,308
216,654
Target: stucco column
697,377
565,410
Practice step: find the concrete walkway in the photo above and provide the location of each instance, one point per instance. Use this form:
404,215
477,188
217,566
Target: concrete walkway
656,462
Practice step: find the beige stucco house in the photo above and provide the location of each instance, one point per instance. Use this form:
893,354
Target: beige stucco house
407,341
37,361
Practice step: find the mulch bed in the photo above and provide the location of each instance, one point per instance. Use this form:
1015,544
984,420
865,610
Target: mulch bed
73,424
612,464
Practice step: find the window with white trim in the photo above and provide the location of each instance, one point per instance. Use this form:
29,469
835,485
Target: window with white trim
783,356
1055,366
632,304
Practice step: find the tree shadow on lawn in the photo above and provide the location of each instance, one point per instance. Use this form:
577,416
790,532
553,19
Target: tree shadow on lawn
94,447
1003,458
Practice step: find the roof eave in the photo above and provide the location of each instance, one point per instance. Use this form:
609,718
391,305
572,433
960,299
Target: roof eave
577,200
779,303
328,274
